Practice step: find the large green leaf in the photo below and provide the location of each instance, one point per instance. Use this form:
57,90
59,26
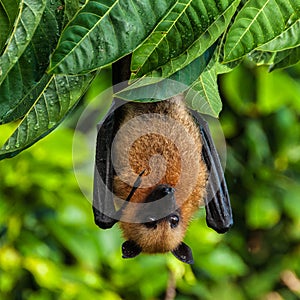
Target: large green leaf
203,95
27,21
267,57
292,57
58,95
156,89
288,39
17,89
276,60
259,22
103,31
185,33
8,13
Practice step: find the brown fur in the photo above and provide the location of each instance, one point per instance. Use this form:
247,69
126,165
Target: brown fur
180,165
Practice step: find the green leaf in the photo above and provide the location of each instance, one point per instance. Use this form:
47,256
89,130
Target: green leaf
267,57
203,95
222,259
185,33
292,58
154,89
222,68
19,85
262,212
288,39
259,22
276,60
219,65
26,23
103,31
59,96
8,12
46,273
291,202
69,238
274,92
71,8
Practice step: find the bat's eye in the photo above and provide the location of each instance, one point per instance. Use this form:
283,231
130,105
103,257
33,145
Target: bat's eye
173,220
151,223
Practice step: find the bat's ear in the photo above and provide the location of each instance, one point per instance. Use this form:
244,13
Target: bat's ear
184,253
130,249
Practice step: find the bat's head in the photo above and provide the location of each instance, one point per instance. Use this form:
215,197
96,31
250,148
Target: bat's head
161,227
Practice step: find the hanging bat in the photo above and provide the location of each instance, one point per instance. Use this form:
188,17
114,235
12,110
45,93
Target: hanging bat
156,164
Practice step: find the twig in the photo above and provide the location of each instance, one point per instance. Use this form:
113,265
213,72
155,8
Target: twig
171,288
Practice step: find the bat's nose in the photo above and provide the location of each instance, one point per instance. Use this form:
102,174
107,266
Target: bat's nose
161,191
165,189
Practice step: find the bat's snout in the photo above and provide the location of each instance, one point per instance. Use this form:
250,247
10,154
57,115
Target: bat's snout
161,191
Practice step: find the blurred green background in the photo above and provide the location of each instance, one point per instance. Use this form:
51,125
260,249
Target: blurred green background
51,249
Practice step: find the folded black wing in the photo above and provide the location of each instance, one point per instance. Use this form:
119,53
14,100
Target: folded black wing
217,201
103,205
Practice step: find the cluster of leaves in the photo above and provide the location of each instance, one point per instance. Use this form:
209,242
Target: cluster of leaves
51,50
50,248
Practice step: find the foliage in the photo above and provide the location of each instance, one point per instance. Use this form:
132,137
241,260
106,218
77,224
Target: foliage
52,51
50,248
166,38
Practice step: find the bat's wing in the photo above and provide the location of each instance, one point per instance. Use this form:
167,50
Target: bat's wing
217,201
103,205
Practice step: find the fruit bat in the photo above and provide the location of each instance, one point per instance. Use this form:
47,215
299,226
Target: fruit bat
155,165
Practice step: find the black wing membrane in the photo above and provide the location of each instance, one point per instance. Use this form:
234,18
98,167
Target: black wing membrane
103,205
105,213
217,201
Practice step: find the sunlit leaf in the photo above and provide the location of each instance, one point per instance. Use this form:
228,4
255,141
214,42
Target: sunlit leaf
46,272
20,83
262,212
104,31
291,204
27,21
185,33
203,95
220,66
259,22
58,96
228,292
275,91
153,89
224,259
288,39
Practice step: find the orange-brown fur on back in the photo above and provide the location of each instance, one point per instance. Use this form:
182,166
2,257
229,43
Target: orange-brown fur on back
169,150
